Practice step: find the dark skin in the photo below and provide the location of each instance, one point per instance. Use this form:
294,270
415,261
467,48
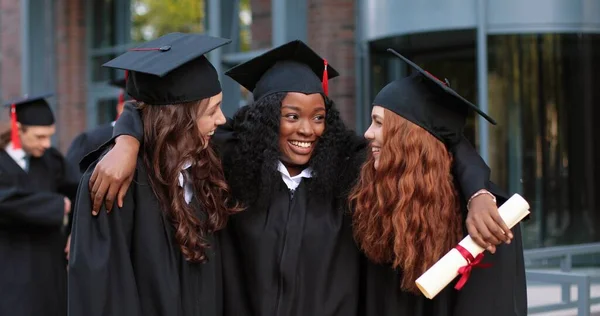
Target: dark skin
302,123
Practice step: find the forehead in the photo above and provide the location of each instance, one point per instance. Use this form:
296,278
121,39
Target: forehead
41,130
378,111
297,98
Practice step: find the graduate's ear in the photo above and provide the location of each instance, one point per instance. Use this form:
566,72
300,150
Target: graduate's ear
22,129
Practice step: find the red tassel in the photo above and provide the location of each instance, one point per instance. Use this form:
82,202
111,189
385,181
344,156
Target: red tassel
14,129
325,79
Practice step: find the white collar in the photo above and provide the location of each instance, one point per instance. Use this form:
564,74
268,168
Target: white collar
186,166
293,182
18,155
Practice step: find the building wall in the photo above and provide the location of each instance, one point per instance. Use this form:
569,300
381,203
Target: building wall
71,76
67,67
10,52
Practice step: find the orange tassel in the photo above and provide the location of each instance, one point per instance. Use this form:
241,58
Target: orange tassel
14,129
325,79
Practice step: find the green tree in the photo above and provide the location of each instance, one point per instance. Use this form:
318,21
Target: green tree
154,18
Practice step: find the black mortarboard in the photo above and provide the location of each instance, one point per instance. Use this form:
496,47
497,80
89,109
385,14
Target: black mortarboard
29,111
291,67
32,111
428,102
121,83
171,69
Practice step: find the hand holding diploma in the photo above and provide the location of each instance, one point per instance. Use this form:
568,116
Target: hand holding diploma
467,254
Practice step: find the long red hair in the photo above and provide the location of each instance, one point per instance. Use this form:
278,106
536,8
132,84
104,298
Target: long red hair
407,212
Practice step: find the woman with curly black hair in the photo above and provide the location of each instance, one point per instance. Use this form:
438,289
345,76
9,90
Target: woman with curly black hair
290,159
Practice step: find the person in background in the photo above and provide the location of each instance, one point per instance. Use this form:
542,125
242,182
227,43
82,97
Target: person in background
36,190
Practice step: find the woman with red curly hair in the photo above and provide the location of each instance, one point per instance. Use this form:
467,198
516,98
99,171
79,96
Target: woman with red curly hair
408,213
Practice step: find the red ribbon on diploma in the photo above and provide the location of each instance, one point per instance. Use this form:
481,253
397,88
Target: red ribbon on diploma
465,271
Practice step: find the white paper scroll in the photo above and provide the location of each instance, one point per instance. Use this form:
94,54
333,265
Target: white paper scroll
446,269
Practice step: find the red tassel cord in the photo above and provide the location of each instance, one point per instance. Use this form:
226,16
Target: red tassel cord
14,128
325,79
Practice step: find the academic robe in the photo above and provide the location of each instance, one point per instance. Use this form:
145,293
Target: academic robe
82,145
499,290
297,256
87,142
32,261
128,263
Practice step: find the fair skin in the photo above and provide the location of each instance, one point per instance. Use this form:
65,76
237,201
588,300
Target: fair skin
208,121
301,125
35,140
212,117
483,220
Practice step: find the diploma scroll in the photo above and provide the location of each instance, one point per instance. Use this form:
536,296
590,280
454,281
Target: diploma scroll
447,268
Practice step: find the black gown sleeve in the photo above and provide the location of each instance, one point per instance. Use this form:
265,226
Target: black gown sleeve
469,169
77,150
18,206
101,275
129,123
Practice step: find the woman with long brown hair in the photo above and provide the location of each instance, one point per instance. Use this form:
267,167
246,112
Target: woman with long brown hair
408,213
166,261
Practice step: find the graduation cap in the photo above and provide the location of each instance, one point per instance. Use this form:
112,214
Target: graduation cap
291,67
29,111
428,102
122,84
171,69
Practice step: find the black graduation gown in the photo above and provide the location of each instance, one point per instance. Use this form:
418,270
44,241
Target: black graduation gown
128,263
87,142
32,262
296,256
499,290
82,145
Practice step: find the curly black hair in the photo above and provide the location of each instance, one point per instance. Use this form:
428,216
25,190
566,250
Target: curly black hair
251,165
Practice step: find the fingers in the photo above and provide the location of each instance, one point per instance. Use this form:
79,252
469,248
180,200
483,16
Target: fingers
476,235
480,233
497,235
123,191
110,196
502,225
93,179
98,193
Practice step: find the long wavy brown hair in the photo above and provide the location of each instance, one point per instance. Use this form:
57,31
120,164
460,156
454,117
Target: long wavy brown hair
172,138
407,212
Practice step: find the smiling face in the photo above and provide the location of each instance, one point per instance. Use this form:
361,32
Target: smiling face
210,118
375,133
301,125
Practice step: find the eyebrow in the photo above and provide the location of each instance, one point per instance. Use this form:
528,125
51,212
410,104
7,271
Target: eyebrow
214,105
377,116
295,108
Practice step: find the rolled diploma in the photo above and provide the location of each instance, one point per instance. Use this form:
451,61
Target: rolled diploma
446,269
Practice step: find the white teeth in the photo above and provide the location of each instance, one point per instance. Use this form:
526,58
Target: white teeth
301,144
210,133
375,150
